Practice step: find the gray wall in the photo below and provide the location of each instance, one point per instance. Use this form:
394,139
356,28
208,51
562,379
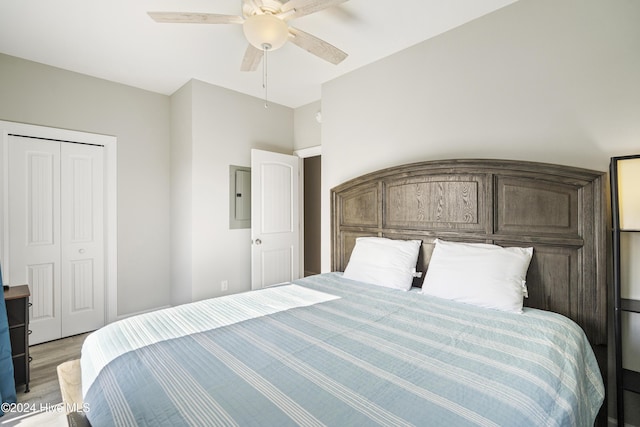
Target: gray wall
542,80
306,129
38,94
217,128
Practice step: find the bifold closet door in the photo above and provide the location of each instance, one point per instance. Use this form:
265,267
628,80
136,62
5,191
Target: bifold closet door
55,216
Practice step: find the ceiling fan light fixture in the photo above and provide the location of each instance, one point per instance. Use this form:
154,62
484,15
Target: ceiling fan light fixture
265,30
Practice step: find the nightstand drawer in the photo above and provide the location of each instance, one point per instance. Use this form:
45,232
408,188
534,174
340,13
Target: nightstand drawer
20,370
18,342
17,311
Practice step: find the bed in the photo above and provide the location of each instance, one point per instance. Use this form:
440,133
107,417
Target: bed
330,350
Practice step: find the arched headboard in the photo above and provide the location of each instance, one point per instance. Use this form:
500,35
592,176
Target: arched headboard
561,211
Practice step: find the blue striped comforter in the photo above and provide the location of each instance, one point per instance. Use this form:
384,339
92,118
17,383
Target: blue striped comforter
340,353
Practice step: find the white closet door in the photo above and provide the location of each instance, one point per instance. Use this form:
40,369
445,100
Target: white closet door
82,237
56,234
34,230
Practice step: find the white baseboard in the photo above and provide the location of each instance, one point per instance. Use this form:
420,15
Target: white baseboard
124,316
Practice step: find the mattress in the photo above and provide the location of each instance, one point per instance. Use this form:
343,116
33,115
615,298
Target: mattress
329,351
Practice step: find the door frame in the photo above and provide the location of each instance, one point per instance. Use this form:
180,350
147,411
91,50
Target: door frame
110,196
304,153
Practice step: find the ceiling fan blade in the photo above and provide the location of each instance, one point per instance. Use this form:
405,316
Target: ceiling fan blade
298,8
314,45
194,18
252,58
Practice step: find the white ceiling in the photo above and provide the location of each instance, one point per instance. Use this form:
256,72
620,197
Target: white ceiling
117,41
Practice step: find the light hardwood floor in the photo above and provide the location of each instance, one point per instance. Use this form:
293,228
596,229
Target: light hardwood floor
45,389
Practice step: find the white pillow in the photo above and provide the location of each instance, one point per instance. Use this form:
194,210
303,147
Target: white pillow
480,274
383,262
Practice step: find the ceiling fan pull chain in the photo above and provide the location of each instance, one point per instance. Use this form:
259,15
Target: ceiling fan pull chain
265,47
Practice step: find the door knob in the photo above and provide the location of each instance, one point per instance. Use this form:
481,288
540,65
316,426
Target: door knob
81,251
258,242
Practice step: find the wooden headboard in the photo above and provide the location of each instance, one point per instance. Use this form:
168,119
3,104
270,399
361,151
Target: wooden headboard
561,211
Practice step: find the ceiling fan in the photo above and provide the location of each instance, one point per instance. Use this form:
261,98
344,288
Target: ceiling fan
265,25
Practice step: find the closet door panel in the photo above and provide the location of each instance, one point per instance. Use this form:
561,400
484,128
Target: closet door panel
82,238
34,232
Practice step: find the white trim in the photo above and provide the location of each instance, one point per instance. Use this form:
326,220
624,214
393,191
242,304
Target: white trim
301,213
304,153
111,192
309,152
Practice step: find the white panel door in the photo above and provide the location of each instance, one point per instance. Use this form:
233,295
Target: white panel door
34,230
56,234
82,237
275,234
